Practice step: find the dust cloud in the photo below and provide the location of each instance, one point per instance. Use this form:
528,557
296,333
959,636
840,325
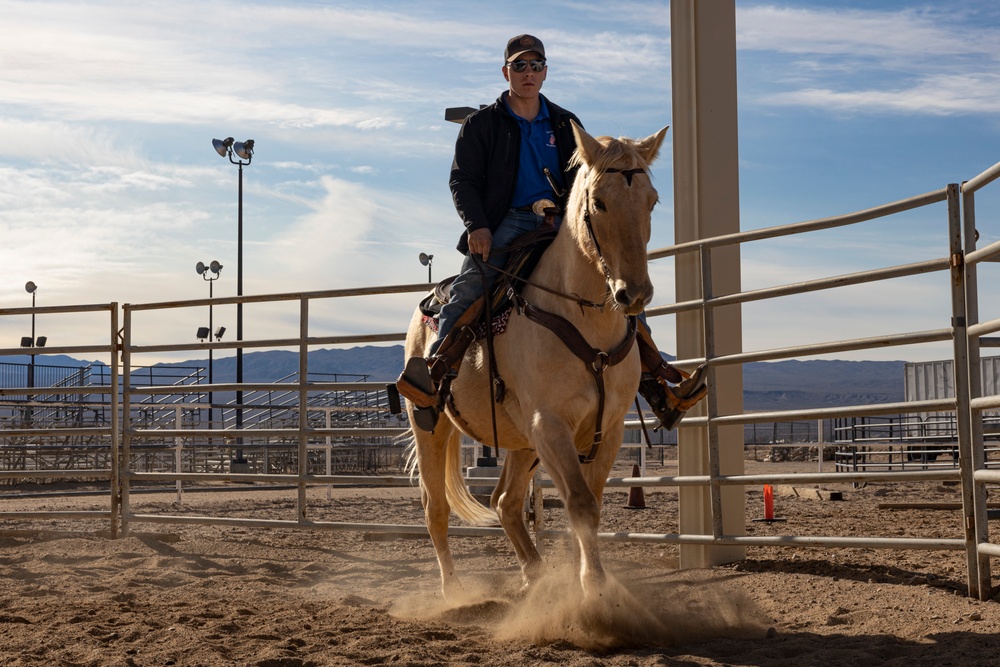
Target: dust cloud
652,610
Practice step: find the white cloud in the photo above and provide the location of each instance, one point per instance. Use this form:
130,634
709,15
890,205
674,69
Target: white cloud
914,61
921,33
57,142
354,232
938,95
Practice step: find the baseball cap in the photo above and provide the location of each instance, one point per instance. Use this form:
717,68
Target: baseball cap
523,44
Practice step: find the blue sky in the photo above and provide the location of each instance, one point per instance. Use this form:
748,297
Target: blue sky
110,189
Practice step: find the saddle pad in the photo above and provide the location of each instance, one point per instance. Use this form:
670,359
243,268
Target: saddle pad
499,323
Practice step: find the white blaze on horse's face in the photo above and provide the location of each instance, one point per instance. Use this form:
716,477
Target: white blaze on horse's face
618,200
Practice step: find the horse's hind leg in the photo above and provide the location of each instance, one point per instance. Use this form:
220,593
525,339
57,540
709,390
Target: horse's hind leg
432,451
508,502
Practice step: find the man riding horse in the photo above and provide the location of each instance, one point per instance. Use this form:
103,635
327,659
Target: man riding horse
511,175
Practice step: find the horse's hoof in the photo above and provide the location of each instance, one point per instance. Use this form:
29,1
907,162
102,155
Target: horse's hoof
594,585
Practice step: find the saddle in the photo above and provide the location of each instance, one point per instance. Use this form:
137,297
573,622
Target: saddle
524,252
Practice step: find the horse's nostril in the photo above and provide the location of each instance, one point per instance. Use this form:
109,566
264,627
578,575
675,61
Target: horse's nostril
622,297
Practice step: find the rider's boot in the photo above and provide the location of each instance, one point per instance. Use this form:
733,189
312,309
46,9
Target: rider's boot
423,378
669,391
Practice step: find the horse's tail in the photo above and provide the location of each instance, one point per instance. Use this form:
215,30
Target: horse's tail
460,499
408,439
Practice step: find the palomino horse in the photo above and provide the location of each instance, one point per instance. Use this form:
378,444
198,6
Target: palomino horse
551,405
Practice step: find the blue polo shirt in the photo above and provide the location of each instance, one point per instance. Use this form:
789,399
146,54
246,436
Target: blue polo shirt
538,150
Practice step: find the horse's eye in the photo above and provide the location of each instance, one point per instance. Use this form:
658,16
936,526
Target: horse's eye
599,205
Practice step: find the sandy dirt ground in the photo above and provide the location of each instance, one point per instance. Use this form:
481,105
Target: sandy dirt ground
172,594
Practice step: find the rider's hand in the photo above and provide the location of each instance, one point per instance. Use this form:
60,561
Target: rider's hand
480,242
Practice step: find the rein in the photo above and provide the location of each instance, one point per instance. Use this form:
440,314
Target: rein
580,301
576,298
511,278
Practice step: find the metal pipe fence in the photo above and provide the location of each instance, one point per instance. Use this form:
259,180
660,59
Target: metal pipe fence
968,439
26,427
305,433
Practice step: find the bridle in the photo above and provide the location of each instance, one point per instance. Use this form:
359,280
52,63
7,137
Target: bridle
594,359
628,174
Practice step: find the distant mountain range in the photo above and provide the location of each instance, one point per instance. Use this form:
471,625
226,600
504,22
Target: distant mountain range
777,385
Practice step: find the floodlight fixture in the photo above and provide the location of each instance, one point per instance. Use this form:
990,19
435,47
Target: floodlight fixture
427,260
202,269
203,333
30,287
41,340
244,149
222,147
25,341
219,332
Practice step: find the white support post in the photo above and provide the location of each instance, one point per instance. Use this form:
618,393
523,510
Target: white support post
706,204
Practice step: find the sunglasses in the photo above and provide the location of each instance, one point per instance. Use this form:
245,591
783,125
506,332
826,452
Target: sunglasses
521,65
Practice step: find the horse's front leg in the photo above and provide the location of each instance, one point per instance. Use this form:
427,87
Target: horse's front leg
596,472
508,502
553,439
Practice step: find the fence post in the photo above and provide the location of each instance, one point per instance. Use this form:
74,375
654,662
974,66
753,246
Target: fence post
963,416
115,483
974,495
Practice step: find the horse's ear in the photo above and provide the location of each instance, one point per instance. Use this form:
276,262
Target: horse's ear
586,145
649,147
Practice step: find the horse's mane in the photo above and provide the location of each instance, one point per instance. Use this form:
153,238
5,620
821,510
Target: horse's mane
612,153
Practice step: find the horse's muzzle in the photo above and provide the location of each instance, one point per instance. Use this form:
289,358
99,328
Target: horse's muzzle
633,300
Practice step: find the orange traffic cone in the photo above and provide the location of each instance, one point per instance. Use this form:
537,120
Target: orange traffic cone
636,498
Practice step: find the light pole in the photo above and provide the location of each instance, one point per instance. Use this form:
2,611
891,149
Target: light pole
30,288
427,260
32,342
215,268
244,151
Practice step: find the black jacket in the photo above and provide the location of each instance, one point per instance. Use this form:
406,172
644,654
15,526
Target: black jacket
487,154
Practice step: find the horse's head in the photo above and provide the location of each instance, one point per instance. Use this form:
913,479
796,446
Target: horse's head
611,204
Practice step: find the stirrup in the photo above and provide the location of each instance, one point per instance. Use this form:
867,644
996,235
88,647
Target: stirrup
416,383
670,403
425,418
418,386
684,396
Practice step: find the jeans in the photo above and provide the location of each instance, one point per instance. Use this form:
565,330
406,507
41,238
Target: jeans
468,286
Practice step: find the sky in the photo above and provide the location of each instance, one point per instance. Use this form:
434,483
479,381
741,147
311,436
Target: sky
110,190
